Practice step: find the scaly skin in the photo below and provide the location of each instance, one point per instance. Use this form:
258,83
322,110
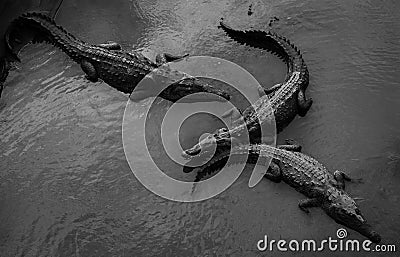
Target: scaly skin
120,69
284,101
307,176
4,69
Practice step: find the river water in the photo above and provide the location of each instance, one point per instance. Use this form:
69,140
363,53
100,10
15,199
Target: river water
66,187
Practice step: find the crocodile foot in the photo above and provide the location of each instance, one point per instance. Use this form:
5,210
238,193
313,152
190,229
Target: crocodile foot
291,145
305,204
303,103
110,45
166,57
341,177
274,173
291,148
90,71
272,89
303,108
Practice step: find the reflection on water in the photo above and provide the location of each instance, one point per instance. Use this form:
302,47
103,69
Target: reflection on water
67,190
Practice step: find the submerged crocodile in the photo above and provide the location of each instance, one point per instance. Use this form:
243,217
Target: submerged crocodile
120,69
307,176
283,101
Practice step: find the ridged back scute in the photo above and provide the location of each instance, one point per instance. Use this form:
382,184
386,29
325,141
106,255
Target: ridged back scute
269,41
46,21
35,27
257,39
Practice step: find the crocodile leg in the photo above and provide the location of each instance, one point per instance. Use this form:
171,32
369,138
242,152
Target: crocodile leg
304,204
110,45
272,89
236,117
291,145
341,177
274,173
268,91
234,113
290,141
171,57
303,103
292,148
166,57
90,71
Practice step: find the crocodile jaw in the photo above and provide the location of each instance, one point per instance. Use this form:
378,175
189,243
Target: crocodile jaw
218,141
183,89
367,231
343,209
363,228
204,146
195,150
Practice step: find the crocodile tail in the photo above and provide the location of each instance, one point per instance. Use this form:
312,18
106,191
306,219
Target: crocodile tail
268,41
36,28
4,70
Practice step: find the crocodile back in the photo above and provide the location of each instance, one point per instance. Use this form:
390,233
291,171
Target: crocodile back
305,174
299,170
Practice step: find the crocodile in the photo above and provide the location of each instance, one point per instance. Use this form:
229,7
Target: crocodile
283,101
305,174
120,69
4,70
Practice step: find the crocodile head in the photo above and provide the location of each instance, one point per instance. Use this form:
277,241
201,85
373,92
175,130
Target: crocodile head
343,209
189,86
220,139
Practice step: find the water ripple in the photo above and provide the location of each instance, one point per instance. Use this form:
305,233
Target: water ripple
67,189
